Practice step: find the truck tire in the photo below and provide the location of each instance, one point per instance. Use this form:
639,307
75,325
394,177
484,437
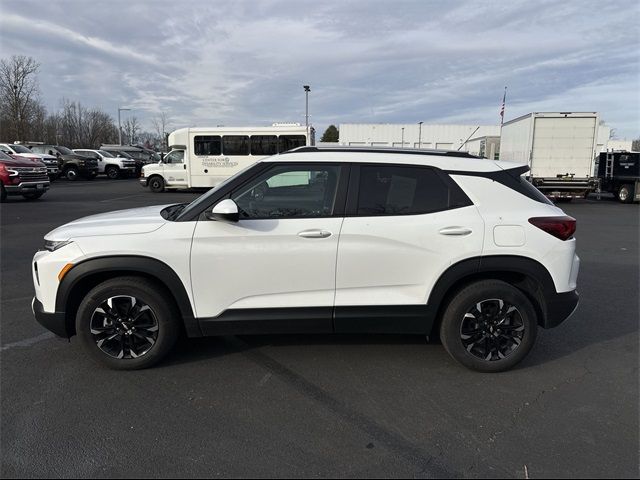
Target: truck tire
33,196
112,172
156,184
489,326
71,174
128,323
625,193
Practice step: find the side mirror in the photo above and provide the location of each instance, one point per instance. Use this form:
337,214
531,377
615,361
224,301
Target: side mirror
226,211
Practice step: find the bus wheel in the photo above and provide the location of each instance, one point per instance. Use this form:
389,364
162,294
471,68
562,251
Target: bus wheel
156,184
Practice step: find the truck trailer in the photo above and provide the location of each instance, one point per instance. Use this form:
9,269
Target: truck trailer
619,173
560,148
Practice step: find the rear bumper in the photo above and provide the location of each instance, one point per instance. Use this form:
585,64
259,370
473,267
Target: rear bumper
560,307
54,322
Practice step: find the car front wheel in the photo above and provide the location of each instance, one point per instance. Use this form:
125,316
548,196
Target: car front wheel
156,184
489,326
128,323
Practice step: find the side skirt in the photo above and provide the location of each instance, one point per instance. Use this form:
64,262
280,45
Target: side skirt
397,319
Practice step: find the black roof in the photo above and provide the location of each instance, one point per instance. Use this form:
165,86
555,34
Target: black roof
404,151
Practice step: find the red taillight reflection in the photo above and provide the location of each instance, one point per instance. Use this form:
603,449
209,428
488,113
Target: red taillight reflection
560,227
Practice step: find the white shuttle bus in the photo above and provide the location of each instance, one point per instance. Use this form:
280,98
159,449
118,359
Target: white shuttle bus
204,157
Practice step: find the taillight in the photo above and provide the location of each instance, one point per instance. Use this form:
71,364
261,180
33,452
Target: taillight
560,227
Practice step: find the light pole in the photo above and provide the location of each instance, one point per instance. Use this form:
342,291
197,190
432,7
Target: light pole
307,89
120,109
402,145
419,135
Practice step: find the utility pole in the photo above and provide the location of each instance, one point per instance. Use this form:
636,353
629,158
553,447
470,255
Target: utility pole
307,89
419,135
120,109
402,145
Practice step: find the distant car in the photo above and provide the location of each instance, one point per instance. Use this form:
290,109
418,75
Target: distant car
143,156
71,164
112,166
50,161
22,176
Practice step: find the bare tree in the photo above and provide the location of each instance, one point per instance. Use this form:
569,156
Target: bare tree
79,127
161,124
18,95
130,130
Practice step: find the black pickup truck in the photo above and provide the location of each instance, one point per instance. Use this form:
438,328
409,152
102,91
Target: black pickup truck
71,164
619,173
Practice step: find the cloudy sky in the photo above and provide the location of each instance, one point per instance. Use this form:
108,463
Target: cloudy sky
244,62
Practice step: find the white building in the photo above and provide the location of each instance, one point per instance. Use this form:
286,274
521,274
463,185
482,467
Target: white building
625,145
412,135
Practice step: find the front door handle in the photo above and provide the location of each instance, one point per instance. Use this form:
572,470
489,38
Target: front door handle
455,231
314,234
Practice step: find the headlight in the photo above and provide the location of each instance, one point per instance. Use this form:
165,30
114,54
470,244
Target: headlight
52,245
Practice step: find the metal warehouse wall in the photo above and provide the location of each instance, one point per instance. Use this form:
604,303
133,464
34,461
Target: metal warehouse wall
433,135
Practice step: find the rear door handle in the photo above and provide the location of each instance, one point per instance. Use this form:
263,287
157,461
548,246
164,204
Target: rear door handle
314,234
455,231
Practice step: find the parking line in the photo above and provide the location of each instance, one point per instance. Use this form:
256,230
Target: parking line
121,198
28,342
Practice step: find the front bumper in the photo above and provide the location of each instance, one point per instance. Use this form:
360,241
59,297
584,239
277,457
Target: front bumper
560,307
143,181
27,187
54,322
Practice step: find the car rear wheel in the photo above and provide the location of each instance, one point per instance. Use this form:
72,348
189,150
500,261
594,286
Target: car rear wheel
71,174
625,194
156,184
128,323
489,326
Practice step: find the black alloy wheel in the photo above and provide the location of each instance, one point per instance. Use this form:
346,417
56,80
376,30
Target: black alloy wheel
492,329
124,327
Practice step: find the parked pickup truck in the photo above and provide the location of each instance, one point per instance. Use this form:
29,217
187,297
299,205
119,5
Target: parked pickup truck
71,164
50,161
22,176
112,166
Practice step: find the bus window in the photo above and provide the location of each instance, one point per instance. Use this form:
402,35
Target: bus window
207,145
235,144
287,142
264,145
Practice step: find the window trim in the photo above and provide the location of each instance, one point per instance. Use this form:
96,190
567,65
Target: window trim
341,188
351,209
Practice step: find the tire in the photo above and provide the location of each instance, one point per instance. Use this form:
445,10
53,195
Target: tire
112,172
3,194
71,174
33,196
625,194
145,336
494,337
156,184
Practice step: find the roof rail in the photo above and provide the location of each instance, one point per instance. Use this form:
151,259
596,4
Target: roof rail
410,151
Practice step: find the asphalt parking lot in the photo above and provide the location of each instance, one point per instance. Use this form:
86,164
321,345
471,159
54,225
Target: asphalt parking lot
322,406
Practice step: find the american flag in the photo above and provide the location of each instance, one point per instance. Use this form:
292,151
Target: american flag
504,98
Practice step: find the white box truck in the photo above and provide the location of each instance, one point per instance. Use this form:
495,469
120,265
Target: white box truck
560,148
205,157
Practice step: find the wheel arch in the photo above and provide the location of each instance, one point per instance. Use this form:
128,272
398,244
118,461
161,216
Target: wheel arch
526,274
89,273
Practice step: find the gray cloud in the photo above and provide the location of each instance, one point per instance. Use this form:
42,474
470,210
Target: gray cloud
244,62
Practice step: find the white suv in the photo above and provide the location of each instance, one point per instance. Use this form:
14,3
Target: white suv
320,241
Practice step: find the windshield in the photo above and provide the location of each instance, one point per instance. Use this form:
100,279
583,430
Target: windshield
64,151
122,155
20,149
4,156
203,199
104,153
